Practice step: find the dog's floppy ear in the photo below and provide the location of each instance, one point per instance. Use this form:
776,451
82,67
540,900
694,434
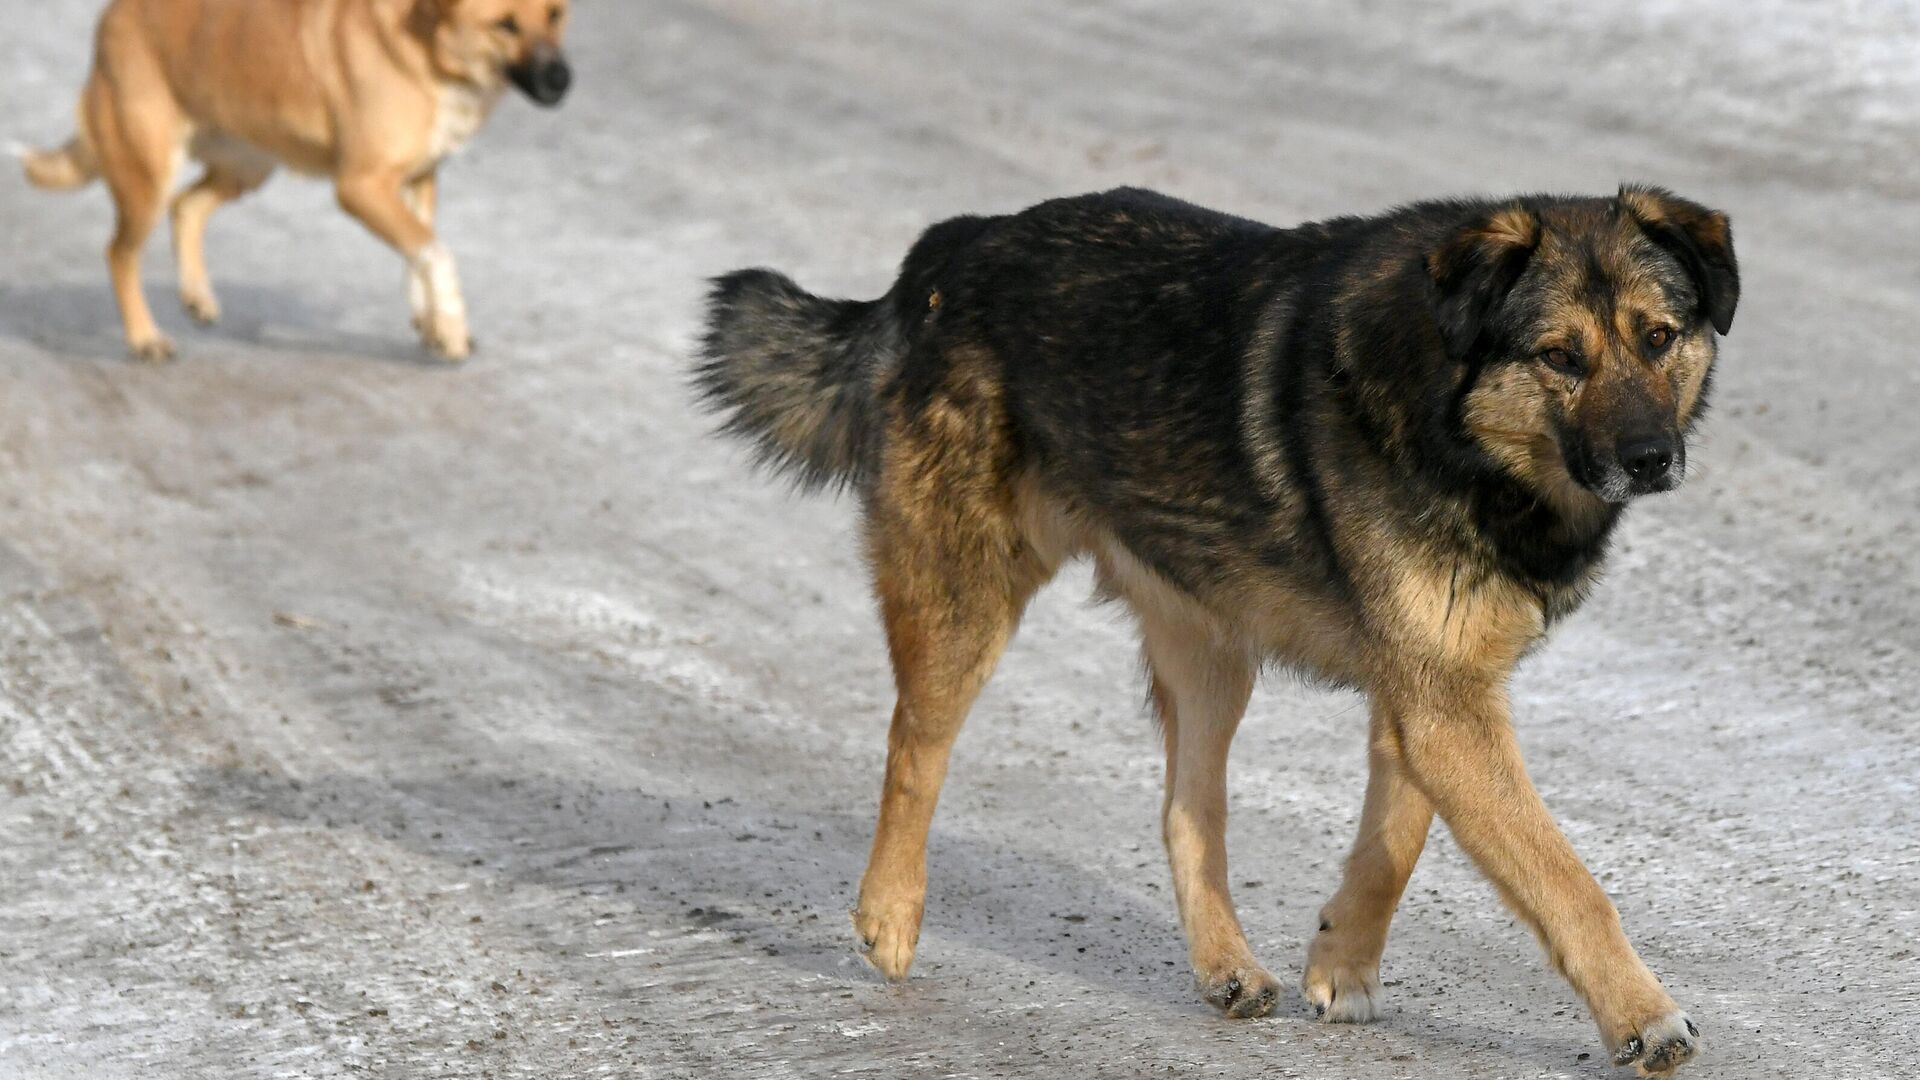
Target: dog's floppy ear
1473,270
1700,238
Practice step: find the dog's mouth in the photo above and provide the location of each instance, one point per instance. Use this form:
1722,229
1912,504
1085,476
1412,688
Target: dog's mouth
544,76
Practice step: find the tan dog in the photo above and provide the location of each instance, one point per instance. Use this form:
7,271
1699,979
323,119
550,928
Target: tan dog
373,93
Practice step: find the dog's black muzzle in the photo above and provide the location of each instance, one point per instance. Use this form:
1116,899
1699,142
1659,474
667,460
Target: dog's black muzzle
543,76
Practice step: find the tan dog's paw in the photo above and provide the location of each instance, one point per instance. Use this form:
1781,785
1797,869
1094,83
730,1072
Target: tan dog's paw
154,350
1342,995
1660,1047
201,307
447,339
1242,992
888,940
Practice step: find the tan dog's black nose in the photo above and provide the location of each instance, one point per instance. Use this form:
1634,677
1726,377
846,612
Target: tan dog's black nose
543,76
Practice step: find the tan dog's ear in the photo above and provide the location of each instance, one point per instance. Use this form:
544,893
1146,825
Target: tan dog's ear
1473,270
1700,238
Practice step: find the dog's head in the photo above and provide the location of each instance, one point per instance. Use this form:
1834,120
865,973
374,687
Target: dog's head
1586,331
485,41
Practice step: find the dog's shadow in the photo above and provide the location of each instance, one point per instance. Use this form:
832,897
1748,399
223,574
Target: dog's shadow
729,879
77,321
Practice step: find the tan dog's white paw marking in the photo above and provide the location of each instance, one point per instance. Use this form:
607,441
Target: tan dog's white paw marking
445,311
1660,1047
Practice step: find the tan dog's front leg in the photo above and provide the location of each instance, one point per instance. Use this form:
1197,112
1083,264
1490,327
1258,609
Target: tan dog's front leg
1343,966
1458,746
422,195
375,199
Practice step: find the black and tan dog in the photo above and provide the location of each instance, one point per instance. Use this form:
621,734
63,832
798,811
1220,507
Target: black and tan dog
373,93
1385,452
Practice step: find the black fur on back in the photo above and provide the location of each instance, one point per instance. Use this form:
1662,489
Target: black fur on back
1225,397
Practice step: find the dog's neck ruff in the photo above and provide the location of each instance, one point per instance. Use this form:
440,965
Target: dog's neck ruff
458,115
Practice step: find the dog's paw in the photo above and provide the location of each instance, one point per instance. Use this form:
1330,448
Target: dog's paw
1660,1047
153,350
201,307
1342,995
448,342
1242,992
888,937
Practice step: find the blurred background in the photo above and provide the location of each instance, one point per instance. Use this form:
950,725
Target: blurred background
363,715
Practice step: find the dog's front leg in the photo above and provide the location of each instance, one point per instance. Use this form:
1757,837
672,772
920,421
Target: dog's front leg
1342,981
374,197
1458,746
1201,683
422,195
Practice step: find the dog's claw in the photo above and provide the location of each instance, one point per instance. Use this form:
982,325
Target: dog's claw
1242,995
201,309
1661,1046
156,351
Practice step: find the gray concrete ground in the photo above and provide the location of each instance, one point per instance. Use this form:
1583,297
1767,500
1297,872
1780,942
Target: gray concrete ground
364,716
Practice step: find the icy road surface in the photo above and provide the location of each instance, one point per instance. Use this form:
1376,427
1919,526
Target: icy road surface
362,716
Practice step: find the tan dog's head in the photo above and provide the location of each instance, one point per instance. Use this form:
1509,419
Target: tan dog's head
1587,327
484,41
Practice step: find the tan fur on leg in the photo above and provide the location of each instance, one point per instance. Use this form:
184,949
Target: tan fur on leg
954,575
1458,744
1342,980
191,209
1202,677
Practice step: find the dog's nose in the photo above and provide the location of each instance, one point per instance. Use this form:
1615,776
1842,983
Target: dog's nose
544,76
1647,460
555,78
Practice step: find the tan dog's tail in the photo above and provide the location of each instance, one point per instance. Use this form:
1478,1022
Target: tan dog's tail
71,166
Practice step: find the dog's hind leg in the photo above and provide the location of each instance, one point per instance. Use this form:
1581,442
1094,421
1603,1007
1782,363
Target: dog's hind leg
1202,678
1342,981
953,575
222,183
137,130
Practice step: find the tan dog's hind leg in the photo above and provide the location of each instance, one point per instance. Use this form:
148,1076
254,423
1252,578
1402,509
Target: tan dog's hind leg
218,186
137,131
1458,746
375,198
1201,683
1342,980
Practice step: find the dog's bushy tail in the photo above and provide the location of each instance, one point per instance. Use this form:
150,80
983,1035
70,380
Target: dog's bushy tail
71,166
796,374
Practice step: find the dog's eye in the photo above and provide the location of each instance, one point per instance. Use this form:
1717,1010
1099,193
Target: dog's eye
1563,361
1659,338
509,24
554,15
